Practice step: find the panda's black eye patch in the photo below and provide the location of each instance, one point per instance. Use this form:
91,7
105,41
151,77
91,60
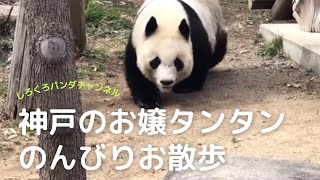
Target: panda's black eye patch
154,64
178,64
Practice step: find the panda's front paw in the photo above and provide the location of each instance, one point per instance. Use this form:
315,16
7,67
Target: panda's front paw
149,103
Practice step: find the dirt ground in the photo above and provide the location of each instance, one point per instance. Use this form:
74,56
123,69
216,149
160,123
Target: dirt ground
242,81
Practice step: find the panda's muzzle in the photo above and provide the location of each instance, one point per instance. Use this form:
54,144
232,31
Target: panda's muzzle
166,83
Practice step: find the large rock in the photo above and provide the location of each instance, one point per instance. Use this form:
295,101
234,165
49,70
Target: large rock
238,168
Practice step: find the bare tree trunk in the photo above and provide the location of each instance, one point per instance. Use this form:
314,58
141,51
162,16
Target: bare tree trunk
44,53
282,9
78,23
307,14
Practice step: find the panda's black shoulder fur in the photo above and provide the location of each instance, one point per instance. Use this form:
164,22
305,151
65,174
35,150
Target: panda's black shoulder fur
146,94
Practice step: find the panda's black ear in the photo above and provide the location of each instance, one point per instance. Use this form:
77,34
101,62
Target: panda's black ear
151,26
184,29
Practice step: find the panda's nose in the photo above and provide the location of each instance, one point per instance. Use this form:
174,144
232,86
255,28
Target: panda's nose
167,83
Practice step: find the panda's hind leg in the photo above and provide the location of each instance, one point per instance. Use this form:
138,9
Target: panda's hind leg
220,48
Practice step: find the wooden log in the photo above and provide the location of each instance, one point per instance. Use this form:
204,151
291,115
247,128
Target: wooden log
282,9
307,14
260,4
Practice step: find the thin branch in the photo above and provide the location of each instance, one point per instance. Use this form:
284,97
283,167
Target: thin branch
3,24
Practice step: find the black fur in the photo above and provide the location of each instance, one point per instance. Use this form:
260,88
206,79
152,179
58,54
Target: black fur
151,27
184,29
179,64
220,48
154,64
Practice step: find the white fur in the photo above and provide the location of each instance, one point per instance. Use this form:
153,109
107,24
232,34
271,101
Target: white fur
168,44
209,12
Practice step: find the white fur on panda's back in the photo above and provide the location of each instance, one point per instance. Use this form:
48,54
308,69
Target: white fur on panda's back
209,12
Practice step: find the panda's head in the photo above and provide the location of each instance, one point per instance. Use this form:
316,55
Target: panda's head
165,56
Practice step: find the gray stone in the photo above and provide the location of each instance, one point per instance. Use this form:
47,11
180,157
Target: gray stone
245,168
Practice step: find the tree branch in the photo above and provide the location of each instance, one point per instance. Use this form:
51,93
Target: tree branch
3,24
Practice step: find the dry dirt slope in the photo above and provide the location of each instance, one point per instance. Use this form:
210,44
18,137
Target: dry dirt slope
243,81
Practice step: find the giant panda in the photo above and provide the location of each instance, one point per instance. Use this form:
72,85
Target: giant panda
172,46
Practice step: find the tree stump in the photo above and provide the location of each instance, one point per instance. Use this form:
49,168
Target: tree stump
307,14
